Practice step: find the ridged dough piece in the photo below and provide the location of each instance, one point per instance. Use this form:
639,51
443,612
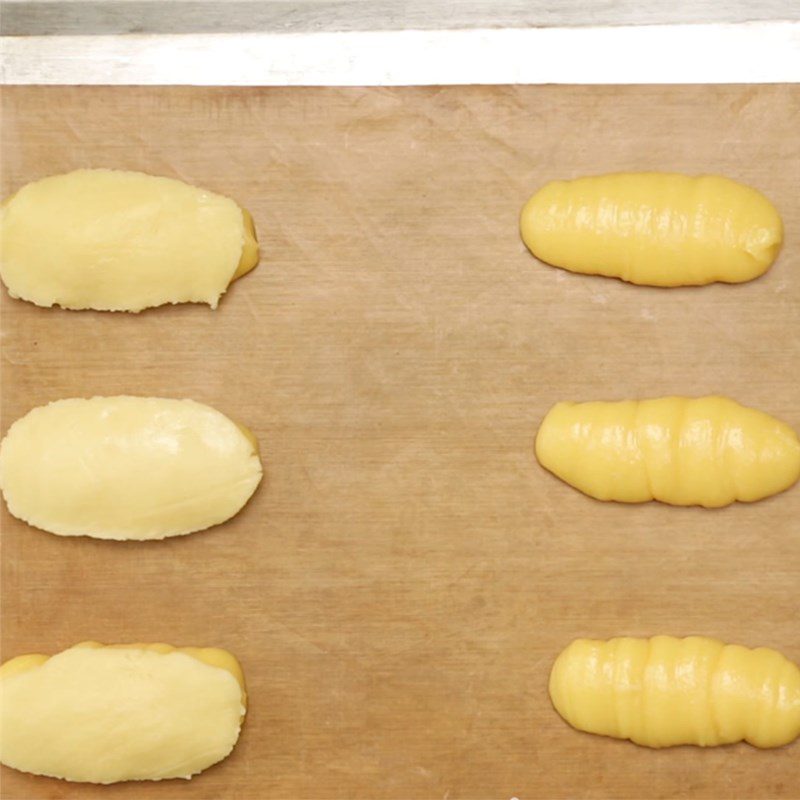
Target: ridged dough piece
112,240
107,713
127,467
707,451
652,228
664,691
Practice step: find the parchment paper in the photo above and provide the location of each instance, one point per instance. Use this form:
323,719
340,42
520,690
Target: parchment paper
401,583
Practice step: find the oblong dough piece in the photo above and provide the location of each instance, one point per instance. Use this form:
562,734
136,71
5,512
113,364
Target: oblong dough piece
665,691
653,228
112,240
107,713
127,467
707,451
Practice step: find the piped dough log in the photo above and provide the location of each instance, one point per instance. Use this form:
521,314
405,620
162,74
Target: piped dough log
127,467
112,240
658,229
664,691
107,713
708,451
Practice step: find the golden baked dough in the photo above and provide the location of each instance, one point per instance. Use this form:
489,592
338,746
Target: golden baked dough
707,451
653,228
664,691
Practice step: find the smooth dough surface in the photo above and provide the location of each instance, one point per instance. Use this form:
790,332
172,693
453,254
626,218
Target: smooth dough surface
665,691
658,229
127,467
112,240
707,451
103,714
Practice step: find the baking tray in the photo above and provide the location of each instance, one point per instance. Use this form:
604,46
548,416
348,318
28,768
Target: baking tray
399,586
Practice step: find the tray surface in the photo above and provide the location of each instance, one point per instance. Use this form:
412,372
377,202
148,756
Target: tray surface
399,586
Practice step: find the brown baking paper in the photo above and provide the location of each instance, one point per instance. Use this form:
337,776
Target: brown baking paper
399,586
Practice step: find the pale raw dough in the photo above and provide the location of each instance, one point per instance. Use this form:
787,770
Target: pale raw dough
103,714
127,467
121,241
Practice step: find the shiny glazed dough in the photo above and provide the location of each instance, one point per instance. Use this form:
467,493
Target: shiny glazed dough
121,241
659,229
103,714
708,451
127,467
664,691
